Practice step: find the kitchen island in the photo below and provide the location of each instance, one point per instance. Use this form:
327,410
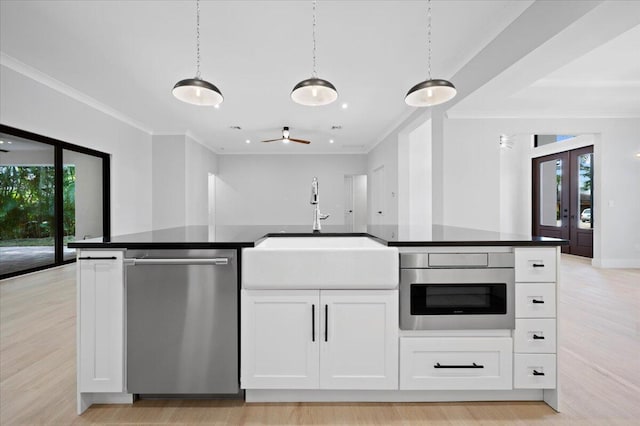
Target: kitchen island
516,362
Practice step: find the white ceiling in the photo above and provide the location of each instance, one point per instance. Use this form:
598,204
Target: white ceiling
127,55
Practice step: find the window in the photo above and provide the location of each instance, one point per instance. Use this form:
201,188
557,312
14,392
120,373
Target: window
540,140
51,192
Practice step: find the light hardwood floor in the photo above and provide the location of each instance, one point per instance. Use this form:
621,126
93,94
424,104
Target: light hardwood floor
599,366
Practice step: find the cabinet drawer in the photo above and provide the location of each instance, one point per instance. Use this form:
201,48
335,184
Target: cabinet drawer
455,363
535,336
536,300
535,264
534,371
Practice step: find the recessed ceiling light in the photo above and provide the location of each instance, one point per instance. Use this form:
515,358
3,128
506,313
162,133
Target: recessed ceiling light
248,141
217,106
331,140
345,105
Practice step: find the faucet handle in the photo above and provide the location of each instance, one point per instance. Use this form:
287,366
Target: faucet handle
323,216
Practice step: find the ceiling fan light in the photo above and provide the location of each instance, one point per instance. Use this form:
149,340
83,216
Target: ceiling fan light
197,92
430,93
314,92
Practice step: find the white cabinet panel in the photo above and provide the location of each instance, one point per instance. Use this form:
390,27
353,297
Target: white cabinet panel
101,321
312,339
279,332
535,300
535,336
535,264
455,363
534,371
359,348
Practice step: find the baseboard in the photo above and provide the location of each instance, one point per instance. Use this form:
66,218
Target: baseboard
615,263
287,395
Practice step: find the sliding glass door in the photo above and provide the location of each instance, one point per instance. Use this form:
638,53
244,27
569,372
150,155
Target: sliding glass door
51,192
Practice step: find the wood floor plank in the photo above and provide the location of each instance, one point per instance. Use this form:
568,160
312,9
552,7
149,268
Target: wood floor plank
599,367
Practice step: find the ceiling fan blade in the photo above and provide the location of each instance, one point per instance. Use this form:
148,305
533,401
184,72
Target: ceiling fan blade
299,141
273,140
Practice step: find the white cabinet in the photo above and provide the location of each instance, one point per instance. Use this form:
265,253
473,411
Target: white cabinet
534,371
448,363
319,339
535,264
279,333
100,321
535,335
359,349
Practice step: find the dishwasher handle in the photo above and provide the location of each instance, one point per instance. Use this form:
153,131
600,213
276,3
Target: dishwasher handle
183,261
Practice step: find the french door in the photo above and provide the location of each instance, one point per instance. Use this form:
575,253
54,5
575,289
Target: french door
563,199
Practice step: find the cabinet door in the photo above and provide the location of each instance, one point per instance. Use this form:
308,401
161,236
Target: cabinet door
359,334
100,321
279,332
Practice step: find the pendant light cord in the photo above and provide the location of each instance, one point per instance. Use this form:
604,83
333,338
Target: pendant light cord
198,39
315,74
429,37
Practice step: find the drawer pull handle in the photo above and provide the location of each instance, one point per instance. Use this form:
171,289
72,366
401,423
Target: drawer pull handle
313,322
98,258
474,365
538,373
538,265
537,301
536,337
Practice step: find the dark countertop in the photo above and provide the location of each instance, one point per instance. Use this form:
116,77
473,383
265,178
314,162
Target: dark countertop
231,237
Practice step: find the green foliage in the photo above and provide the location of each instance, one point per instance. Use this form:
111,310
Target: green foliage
27,203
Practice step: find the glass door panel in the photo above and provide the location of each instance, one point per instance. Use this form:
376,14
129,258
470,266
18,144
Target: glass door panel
550,193
82,198
27,204
585,190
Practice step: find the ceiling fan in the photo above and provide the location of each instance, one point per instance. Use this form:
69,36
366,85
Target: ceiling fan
286,139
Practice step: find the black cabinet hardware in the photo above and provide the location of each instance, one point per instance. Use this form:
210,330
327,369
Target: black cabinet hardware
536,337
380,212
538,373
326,323
474,365
538,265
537,301
98,258
313,323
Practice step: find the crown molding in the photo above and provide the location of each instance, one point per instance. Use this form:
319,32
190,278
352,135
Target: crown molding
42,78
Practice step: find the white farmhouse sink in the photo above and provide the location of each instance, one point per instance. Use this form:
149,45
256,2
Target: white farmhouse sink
320,263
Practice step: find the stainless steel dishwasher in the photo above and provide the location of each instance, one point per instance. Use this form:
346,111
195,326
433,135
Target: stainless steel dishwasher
182,322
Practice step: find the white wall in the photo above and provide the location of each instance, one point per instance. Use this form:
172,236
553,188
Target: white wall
199,163
30,105
472,179
181,168
88,193
169,181
275,189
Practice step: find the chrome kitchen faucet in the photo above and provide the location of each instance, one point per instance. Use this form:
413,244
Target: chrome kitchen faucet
315,200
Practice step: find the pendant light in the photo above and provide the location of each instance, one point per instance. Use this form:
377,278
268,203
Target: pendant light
430,92
314,91
195,90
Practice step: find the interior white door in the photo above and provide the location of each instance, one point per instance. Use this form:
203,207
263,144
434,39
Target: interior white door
348,203
359,348
377,194
280,337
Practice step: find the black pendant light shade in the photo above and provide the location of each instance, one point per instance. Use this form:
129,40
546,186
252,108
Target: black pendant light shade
430,93
197,92
314,92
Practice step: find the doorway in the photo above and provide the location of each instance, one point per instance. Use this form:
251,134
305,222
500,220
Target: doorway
355,203
563,199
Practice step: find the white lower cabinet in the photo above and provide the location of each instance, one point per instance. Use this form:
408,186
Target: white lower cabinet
101,321
451,363
535,336
534,371
319,339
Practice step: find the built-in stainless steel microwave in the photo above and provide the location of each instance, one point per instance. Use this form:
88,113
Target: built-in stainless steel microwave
457,291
